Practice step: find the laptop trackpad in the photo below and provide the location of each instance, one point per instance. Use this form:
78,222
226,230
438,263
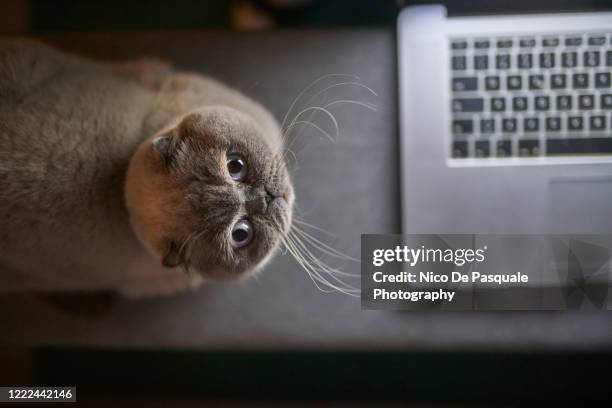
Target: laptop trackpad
580,205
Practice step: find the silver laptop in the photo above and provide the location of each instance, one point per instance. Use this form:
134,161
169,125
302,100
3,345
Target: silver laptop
506,122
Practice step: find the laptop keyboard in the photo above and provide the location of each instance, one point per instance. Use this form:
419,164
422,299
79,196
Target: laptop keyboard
531,96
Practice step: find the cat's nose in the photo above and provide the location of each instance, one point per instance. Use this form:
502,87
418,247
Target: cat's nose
272,193
258,202
269,198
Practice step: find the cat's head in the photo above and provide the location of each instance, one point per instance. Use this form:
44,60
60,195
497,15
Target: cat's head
210,194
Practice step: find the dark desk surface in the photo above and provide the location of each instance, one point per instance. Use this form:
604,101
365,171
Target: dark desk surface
348,188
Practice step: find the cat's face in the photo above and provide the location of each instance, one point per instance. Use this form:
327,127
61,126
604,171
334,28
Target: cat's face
210,194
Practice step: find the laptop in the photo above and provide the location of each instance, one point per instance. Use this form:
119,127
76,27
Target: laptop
505,122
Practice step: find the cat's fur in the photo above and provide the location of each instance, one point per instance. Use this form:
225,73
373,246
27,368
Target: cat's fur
72,217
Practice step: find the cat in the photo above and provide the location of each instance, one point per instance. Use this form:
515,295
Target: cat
132,177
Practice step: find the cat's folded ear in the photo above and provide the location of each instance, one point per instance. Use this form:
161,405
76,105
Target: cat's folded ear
166,146
172,255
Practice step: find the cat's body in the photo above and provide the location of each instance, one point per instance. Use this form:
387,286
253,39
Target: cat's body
68,130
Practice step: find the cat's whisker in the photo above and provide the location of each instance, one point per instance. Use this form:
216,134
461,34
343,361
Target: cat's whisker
283,249
351,101
182,252
299,211
287,130
323,247
316,109
304,223
358,84
319,109
283,158
321,266
298,148
304,266
306,122
318,269
316,276
310,270
308,87
323,91
185,241
288,150
297,241
186,248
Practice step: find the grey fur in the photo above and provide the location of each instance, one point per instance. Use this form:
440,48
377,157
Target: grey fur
77,142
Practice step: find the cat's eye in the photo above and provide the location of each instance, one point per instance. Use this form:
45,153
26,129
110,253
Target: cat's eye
236,166
242,233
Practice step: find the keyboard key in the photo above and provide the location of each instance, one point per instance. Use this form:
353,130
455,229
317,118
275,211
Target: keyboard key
597,123
575,123
481,44
606,101
547,60
468,105
553,124
460,149
602,80
527,42
531,124
498,104
550,42
525,60
542,103
580,81
504,43
536,81
564,102
595,145
586,101
519,103
487,126
465,84
504,148
569,59
529,148
464,126
481,62
591,58
558,81
481,148
573,41
458,63
459,44
492,83
514,82
609,59
599,40
502,61
509,125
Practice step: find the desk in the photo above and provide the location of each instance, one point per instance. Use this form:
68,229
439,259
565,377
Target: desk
348,188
